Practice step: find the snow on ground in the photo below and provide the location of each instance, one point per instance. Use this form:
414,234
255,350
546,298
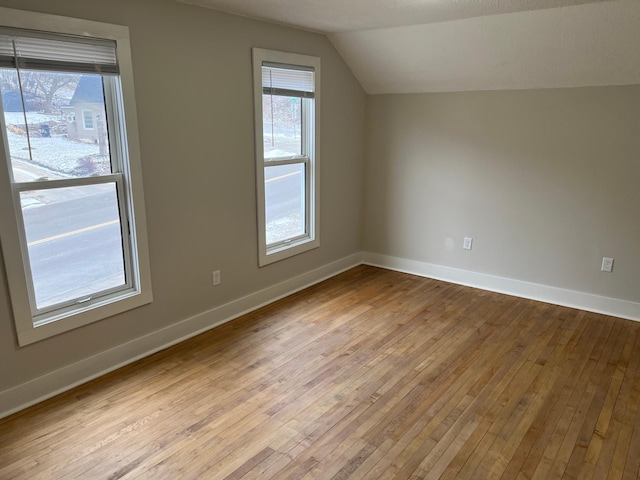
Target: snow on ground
279,153
59,154
284,227
17,118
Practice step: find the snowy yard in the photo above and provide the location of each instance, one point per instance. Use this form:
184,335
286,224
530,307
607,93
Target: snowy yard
17,118
285,227
57,154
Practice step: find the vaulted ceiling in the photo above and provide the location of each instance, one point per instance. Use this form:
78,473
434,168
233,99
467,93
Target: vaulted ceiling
403,46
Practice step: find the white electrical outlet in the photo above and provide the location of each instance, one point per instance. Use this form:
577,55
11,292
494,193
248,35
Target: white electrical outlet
468,243
216,278
607,264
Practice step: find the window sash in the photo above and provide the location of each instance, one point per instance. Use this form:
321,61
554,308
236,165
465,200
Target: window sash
119,157
53,312
276,246
278,161
307,131
19,187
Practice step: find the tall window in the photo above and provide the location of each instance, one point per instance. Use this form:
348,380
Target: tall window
286,101
72,219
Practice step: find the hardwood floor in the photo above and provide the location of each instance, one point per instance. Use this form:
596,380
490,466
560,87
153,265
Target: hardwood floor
372,374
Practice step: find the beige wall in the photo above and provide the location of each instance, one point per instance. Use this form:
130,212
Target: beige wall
547,182
192,72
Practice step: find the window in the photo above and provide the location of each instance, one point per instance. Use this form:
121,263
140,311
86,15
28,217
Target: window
71,213
87,120
286,99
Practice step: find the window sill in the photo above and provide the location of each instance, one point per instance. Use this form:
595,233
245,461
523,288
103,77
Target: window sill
96,312
285,251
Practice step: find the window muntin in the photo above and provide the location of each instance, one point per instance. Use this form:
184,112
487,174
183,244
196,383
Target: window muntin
87,120
286,154
86,189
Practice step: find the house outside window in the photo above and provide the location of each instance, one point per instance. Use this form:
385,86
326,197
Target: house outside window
72,220
286,101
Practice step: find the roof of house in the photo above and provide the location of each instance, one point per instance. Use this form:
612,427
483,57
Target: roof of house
89,90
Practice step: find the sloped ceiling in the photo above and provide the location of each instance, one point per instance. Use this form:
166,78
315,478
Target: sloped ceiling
406,46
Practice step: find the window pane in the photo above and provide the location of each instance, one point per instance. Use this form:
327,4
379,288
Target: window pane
282,126
285,202
74,241
56,124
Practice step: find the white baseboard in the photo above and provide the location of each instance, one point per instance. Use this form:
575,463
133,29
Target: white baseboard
518,288
63,379
53,383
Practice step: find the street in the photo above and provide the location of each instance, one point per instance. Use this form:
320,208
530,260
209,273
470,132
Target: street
75,246
284,202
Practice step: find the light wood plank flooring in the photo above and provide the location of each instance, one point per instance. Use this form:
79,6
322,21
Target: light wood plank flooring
370,375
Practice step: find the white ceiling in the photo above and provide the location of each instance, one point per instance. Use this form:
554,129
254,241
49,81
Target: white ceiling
329,16
403,46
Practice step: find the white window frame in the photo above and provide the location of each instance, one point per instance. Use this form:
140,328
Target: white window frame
268,254
84,120
11,231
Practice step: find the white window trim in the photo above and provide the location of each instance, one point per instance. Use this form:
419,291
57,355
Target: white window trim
9,230
266,255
